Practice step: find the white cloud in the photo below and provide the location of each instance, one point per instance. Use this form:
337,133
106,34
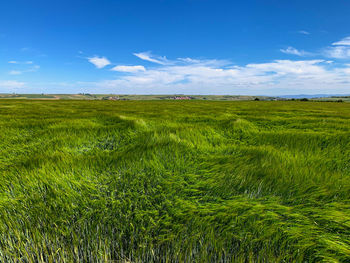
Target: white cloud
343,42
339,49
189,60
304,32
198,76
20,62
15,72
10,85
341,52
294,51
151,58
33,68
131,69
99,62
284,67
211,76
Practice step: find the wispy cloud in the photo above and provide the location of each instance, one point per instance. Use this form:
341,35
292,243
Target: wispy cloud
214,76
15,72
340,52
339,49
205,76
10,85
32,68
304,32
131,69
99,62
32,51
148,56
20,62
343,42
294,51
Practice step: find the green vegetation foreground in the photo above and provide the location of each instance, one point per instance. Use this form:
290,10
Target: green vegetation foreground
174,181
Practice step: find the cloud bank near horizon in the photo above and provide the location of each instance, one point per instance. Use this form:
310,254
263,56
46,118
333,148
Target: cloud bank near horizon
161,75
221,77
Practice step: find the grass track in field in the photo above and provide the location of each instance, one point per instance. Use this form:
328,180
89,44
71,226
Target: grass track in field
174,181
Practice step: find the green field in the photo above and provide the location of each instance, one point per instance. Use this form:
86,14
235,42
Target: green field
174,181
87,96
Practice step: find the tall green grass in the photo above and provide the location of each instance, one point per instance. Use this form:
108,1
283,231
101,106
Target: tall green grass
174,181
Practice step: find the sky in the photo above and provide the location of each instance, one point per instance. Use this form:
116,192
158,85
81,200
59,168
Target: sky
262,47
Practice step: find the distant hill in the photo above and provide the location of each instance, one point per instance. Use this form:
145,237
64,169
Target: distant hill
300,96
88,96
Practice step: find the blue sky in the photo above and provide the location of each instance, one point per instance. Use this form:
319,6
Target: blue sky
270,47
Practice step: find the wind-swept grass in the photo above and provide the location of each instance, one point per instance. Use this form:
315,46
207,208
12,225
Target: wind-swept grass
174,181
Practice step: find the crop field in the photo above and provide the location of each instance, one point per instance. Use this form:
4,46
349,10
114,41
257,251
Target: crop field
87,96
174,181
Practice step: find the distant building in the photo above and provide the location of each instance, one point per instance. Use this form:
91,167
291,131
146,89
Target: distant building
182,98
111,98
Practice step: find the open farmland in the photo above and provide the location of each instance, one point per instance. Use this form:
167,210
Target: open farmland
87,96
174,181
